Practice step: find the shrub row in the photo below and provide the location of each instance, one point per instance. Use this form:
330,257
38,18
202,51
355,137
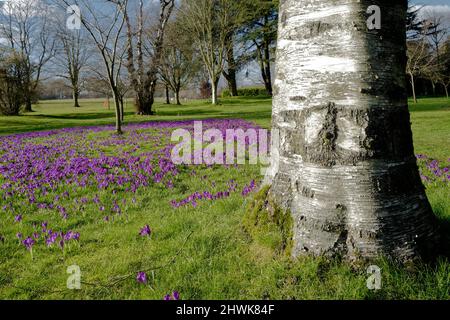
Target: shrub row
247,92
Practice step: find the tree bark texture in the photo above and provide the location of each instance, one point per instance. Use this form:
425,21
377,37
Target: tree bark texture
347,170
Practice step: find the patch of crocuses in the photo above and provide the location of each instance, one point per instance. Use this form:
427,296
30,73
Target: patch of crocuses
173,296
432,170
54,172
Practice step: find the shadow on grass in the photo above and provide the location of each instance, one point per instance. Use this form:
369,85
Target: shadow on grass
187,112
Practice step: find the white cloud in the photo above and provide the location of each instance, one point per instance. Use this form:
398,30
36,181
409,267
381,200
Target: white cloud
441,11
22,7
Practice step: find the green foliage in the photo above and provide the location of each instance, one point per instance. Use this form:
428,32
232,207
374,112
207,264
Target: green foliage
12,83
247,92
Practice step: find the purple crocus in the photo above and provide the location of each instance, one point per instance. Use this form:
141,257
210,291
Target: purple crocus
18,218
28,243
145,231
174,296
141,277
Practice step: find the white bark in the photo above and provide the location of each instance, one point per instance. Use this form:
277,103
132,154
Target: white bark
347,170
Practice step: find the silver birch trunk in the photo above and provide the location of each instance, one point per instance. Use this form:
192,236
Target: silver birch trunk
347,170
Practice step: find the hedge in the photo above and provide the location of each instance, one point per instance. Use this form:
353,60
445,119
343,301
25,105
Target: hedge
247,92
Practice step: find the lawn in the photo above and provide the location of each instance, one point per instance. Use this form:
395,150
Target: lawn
83,196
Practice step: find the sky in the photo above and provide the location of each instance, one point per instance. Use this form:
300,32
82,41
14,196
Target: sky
431,2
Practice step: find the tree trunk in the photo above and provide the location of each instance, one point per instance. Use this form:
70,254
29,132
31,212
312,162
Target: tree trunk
122,109
145,100
346,168
167,95
446,91
267,71
28,104
230,76
214,92
118,113
177,96
76,96
413,87
264,68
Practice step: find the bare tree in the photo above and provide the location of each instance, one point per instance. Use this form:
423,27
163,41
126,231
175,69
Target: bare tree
178,63
142,68
444,78
210,22
105,26
421,61
73,59
27,27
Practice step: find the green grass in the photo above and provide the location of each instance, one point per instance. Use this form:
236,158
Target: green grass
60,113
204,253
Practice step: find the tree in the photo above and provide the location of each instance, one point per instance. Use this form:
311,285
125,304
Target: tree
347,170
26,26
73,59
106,31
144,74
414,25
259,33
178,64
444,78
13,67
210,23
230,71
421,61
234,62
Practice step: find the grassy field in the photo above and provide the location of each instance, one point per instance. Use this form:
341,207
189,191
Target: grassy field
200,250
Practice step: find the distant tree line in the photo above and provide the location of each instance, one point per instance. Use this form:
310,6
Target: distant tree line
130,48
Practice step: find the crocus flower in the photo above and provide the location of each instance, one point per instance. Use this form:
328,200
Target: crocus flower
145,231
141,277
28,243
174,296
18,218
